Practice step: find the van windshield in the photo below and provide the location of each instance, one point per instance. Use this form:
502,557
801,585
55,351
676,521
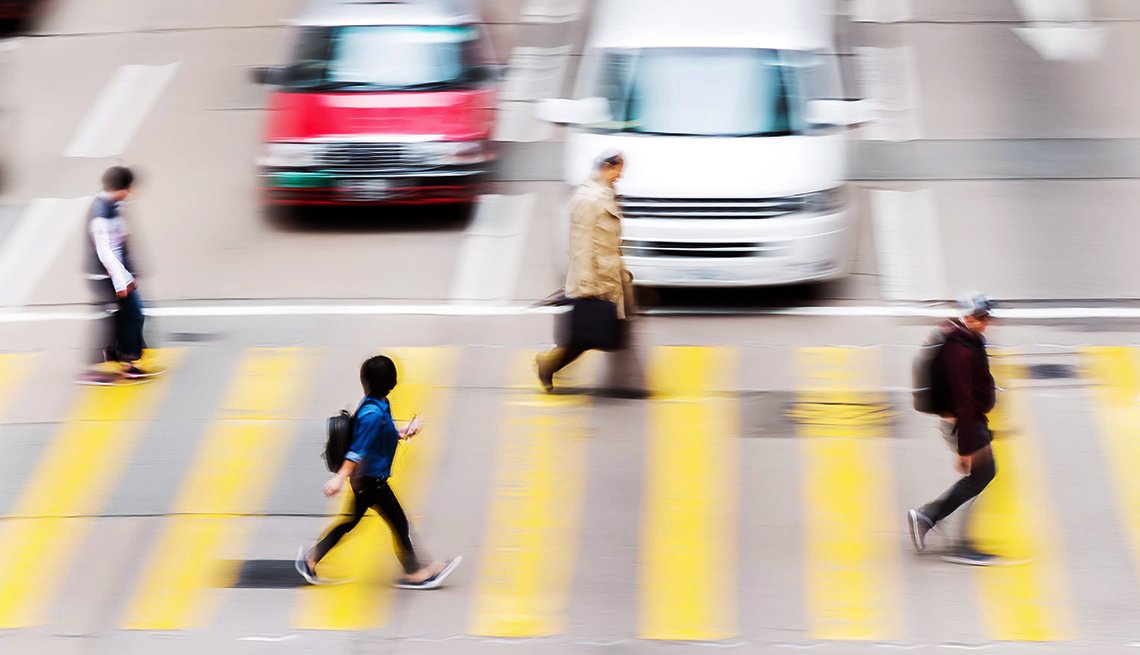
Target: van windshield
384,57
704,91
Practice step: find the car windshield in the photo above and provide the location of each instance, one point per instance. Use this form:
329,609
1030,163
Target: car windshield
704,91
384,57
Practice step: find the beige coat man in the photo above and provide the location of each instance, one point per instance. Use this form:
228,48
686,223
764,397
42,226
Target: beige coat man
596,269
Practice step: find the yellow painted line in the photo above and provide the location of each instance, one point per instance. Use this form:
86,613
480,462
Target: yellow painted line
75,476
365,556
688,567
852,548
525,578
13,372
231,475
1117,396
1013,518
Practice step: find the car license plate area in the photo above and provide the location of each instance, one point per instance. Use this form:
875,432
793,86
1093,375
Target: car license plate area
364,190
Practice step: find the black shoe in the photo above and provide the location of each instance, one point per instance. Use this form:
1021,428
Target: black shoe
435,581
919,526
971,556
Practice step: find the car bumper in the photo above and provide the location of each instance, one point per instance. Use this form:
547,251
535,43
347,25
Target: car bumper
788,250
286,187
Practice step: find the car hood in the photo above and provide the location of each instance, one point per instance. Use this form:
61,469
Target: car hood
444,115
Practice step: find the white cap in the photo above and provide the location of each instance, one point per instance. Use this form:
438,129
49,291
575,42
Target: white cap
975,304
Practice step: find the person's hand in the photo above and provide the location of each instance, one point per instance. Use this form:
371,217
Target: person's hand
411,429
963,464
125,292
334,486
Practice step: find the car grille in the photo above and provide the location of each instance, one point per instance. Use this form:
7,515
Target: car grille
703,249
713,208
371,158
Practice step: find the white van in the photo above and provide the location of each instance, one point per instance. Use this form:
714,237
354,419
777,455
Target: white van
735,155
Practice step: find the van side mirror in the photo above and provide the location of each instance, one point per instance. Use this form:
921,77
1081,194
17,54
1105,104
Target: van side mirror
587,111
843,113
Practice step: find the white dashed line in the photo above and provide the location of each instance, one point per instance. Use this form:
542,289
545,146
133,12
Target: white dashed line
492,253
36,242
552,11
888,77
119,110
908,244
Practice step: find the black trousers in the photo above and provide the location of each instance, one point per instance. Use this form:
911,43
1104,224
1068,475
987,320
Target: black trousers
375,493
982,472
119,334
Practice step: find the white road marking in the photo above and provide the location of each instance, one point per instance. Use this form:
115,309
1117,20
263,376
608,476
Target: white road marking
908,245
881,11
1060,30
491,258
119,110
888,76
552,11
35,242
289,637
472,310
533,74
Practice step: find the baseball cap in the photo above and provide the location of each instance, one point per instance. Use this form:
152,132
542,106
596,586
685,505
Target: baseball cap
975,304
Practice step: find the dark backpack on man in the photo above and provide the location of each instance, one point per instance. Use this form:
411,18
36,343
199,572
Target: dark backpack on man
339,440
930,385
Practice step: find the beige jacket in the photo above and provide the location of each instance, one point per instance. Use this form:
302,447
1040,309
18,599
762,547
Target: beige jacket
596,269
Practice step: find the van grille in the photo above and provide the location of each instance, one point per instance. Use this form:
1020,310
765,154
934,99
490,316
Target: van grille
703,249
713,208
371,158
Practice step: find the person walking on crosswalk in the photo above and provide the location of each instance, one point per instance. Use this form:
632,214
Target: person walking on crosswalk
596,271
111,275
366,469
969,395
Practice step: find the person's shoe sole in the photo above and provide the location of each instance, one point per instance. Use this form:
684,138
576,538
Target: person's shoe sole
966,561
916,536
436,581
303,568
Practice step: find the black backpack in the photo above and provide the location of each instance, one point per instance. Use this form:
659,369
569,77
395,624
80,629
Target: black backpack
930,388
339,440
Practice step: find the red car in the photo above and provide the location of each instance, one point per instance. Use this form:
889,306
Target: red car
382,103
17,12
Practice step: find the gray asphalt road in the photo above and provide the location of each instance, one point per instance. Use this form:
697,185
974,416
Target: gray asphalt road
754,501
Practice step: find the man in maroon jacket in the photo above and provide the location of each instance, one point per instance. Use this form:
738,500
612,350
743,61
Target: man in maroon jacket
970,397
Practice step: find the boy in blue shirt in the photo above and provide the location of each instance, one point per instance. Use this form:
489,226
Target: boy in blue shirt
367,467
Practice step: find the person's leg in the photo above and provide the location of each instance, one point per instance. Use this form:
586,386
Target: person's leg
130,317
362,497
982,472
557,359
386,504
106,326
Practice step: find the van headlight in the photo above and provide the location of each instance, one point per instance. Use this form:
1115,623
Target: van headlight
450,153
292,155
821,202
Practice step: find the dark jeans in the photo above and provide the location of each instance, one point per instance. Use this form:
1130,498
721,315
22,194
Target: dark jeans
375,493
982,472
120,334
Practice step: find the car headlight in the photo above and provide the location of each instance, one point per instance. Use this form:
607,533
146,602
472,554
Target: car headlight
451,153
292,155
827,200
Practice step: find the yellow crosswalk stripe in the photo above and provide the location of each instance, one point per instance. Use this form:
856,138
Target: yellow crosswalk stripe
231,476
1013,518
72,482
1116,394
852,558
365,556
525,577
688,532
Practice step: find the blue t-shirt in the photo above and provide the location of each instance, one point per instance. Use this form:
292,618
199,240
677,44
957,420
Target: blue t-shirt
374,438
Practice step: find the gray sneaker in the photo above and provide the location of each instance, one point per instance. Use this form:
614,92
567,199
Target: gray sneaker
971,556
919,526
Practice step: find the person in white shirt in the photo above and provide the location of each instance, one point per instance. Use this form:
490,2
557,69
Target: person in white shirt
111,275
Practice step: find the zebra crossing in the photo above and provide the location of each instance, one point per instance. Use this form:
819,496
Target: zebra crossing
794,535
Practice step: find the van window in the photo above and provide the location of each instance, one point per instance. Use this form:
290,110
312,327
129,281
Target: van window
706,91
384,57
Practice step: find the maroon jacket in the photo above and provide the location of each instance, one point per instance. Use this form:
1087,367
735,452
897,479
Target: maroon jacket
971,385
